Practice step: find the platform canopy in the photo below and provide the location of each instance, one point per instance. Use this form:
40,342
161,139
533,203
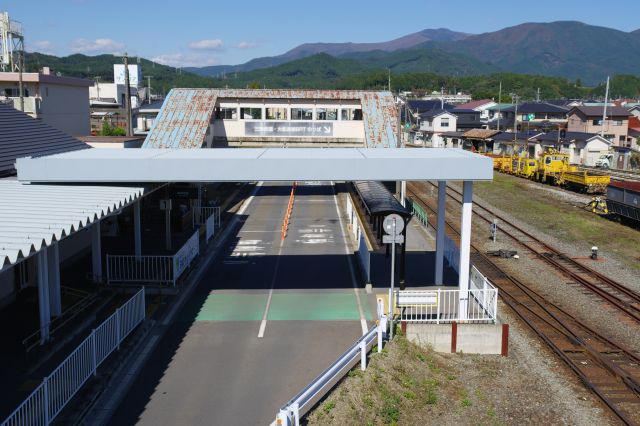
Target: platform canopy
255,164
35,216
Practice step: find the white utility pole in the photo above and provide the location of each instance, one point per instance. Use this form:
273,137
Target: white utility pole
499,102
149,87
604,111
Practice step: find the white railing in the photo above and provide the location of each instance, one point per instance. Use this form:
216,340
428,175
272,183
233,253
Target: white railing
136,269
291,413
152,269
201,214
489,299
443,306
58,388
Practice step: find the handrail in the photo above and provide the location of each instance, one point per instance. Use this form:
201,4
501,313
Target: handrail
299,405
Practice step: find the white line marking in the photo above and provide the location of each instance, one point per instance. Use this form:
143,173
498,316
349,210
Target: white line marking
363,322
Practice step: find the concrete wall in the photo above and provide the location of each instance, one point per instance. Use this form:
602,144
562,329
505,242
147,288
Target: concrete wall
65,107
471,338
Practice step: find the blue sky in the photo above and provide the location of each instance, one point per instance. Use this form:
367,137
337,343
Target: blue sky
200,32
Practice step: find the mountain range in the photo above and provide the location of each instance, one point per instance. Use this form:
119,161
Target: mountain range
568,49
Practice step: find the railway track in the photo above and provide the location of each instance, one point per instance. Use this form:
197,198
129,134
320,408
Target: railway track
619,296
611,371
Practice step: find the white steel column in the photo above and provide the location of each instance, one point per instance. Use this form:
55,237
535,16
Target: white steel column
440,228
43,295
465,246
137,233
55,298
96,252
403,193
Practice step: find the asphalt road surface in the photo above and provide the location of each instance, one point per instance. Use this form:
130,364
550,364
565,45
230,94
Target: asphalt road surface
266,318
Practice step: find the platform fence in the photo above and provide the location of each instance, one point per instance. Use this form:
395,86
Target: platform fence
152,269
478,304
56,390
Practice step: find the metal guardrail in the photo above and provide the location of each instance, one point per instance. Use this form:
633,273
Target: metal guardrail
291,413
152,269
59,387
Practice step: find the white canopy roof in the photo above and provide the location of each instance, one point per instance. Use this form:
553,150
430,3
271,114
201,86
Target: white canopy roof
32,216
255,164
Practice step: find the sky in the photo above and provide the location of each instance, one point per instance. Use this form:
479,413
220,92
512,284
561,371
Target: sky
201,33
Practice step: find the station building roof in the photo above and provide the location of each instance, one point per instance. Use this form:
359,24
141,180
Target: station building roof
255,164
186,114
34,216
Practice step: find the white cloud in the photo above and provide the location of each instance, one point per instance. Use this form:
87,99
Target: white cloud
246,45
42,46
180,60
210,44
100,45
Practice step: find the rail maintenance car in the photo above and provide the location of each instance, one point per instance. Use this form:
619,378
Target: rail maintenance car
623,200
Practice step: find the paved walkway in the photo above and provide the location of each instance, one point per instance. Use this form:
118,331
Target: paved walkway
266,318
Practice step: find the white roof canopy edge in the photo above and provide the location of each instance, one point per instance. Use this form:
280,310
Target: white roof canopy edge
255,164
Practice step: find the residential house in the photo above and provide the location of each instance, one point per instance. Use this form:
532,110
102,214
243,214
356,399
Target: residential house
433,124
536,116
508,143
496,116
482,106
61,102
634,133
467,119
634,110
583,148
588,119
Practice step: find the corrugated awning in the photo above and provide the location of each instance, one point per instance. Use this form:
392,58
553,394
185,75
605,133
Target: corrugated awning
32,216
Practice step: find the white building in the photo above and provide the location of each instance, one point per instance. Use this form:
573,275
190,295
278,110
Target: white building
61,102
434,123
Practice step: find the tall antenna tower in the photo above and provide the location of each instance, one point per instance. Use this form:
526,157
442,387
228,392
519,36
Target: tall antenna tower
11,43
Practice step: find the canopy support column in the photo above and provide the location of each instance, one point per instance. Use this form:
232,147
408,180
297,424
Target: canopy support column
43,295
440,228
53,260
137,233
465,247
96,252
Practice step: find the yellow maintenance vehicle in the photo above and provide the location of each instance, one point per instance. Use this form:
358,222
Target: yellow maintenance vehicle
554,167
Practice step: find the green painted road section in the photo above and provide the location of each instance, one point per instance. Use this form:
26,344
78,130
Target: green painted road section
284,306
315,306
233,307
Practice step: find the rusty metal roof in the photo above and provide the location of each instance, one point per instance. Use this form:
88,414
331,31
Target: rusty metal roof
186,114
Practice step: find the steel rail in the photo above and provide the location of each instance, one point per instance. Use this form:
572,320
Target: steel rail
631,307
582,356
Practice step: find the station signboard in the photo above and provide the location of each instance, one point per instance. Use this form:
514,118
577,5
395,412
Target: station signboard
288,128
